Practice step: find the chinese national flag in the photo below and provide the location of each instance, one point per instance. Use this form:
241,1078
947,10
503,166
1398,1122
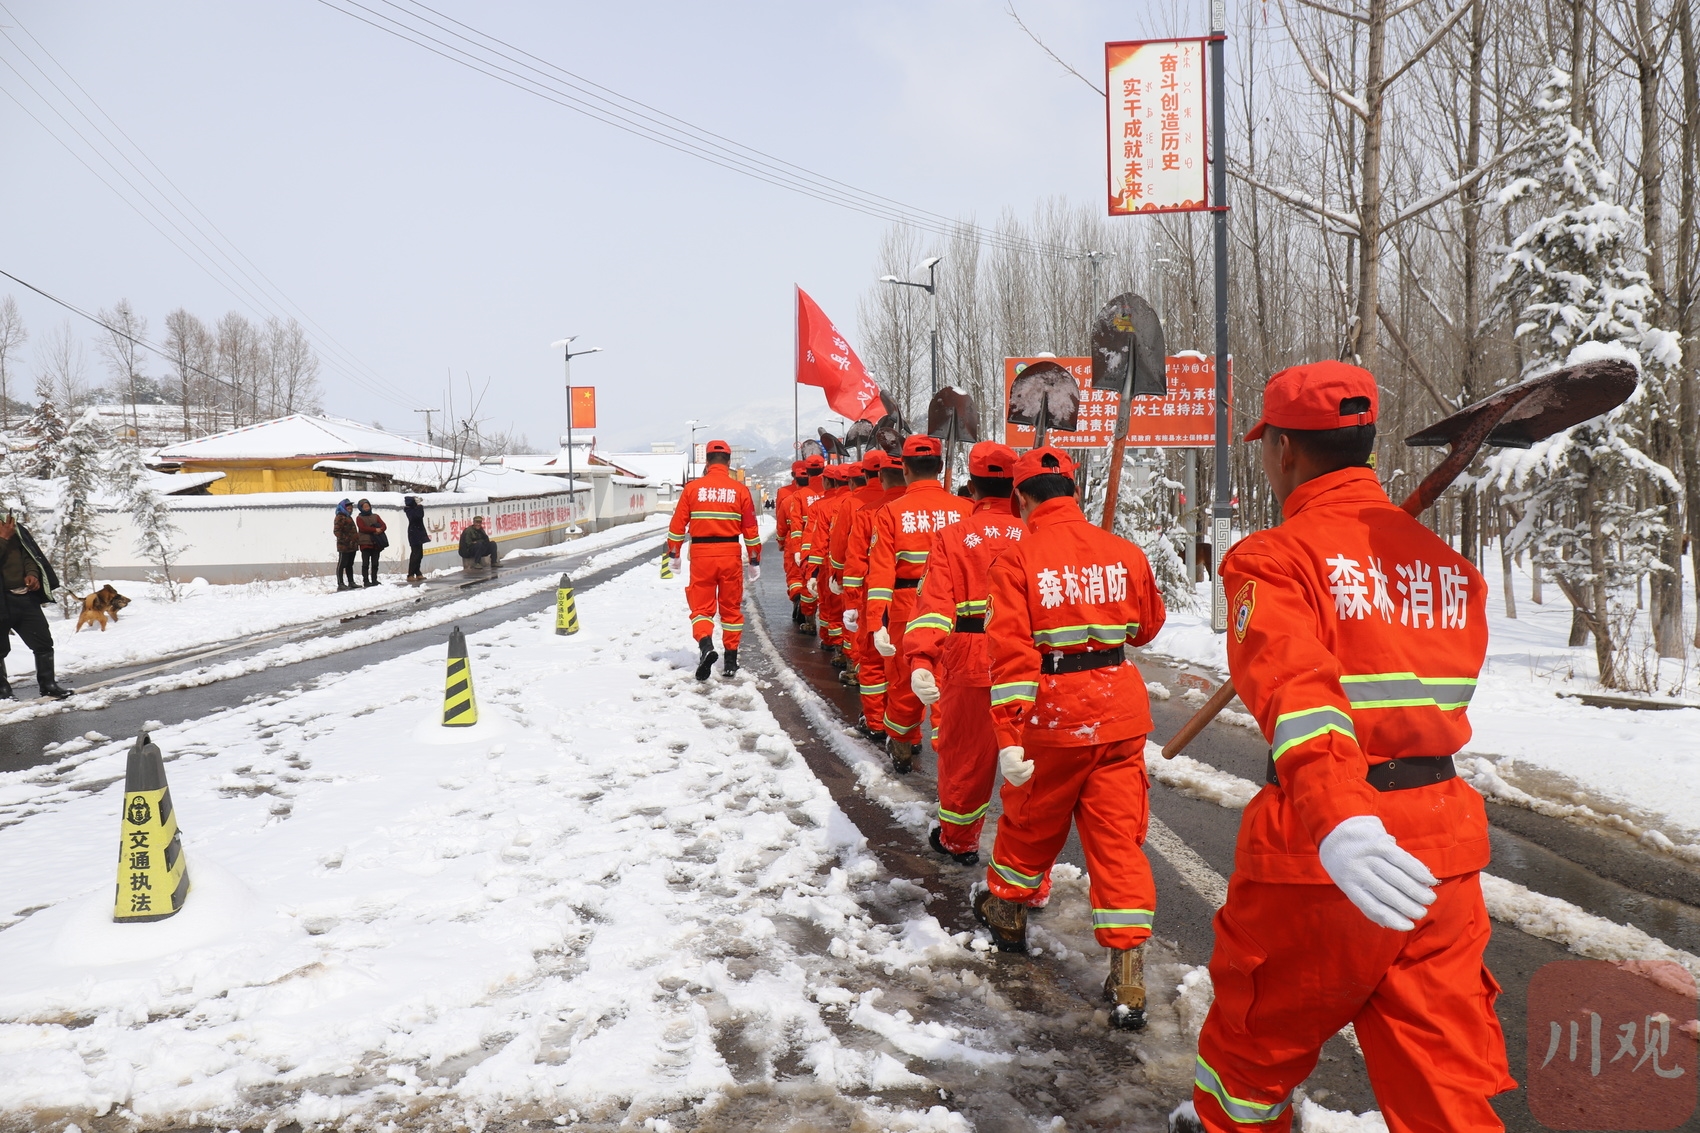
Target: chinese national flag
824,359
584,407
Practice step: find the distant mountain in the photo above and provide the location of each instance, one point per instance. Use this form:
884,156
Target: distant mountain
763,426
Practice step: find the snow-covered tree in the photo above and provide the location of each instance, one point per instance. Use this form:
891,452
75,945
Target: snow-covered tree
158,539
1570,287
45,429
81,468
1147,519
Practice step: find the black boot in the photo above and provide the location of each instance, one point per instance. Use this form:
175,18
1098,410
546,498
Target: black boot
934,839
44,682
705,662
730,668
797,611
6,692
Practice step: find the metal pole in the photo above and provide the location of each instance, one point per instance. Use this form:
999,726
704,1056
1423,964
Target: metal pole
1189,518
1222,513
796,356
572,487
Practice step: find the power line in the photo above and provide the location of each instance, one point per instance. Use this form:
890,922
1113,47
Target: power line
509,65
250,286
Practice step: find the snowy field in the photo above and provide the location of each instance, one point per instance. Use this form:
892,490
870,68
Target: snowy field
153,626
1537,746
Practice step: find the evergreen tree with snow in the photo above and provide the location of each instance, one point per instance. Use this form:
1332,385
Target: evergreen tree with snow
1146,519
45,429
76,533
158,539
1570,286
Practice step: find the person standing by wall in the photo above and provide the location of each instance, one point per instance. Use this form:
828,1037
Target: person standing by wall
416,537
347,542
26,585
371,526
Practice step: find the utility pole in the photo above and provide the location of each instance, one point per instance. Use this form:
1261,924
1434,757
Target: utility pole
932,290
566,345
427,413
1222,514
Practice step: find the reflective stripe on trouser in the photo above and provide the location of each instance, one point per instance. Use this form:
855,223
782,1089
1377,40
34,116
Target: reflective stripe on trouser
902,706
870,670
831,625
1102,790
1295,963
967,751
716,586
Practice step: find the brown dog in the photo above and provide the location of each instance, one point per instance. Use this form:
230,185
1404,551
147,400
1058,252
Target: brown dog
99,606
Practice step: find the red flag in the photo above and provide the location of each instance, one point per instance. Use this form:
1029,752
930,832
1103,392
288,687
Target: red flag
824,359
584,407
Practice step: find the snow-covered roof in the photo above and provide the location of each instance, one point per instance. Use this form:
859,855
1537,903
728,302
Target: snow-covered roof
549,464
487,479
659,467
171,484
302,435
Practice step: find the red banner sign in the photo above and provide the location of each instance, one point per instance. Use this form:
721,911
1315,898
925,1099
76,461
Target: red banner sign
1184,418
584,407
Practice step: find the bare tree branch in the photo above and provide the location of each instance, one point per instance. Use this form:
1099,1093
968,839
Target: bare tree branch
1352,102
1341,12
1435,37
1299,199
1411,358
1448,191
1059,60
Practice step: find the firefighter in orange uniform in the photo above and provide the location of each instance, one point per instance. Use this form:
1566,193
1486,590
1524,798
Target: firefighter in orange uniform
812,548
715,512
828,572
864,490
1071,714
791,524
799,479
946,639
897,558
1355,638
870,666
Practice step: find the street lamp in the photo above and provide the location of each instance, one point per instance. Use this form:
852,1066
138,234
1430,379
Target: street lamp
691,457
568,353
931,288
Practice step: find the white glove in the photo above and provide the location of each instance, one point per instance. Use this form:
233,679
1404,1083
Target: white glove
925,685
832,585
673,563
852,621
882,642
1388,885
796,558
1015,768
755,571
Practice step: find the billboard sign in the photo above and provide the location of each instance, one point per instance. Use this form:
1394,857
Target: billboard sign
1158,157
1185,417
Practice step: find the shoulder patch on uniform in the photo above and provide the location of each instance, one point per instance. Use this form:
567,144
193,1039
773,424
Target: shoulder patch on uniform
1245,601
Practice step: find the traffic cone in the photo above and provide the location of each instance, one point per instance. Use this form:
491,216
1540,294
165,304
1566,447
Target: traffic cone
460,708
666,563
153,876
566,610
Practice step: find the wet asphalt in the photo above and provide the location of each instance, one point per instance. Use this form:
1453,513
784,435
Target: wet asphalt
1601,872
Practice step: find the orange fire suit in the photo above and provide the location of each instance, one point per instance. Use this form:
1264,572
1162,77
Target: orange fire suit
838,556
870,666
715,511
1355,638
790,532
947,637
897,558
823,605
1065,602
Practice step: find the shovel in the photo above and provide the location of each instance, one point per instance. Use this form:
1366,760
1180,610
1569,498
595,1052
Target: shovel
860,434
1515,417
1130,357
1045,396
951,416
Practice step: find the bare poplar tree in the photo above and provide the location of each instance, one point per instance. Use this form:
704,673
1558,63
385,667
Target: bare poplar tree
119,344
13,335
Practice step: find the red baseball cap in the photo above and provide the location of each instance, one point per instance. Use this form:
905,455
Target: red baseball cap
876,461
1314,396
718,446
988,458
798,467
815,465
922,445
854,469
1041,462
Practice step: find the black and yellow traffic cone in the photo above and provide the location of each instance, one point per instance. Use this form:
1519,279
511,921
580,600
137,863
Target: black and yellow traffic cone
566,610
666,563
153,876
460,708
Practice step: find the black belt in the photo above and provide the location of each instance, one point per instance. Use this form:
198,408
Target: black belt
971,625
1396,774
1055,663
695,539
906,584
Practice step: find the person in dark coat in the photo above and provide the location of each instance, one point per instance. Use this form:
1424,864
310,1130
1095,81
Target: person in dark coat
347,542
416,537
27,583
476,545
371,526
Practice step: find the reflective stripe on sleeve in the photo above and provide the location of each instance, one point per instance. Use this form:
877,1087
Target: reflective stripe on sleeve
971,607
1407,690
1013,691
879,592
856,580
1121,918
930,621
1240,1110
1297,727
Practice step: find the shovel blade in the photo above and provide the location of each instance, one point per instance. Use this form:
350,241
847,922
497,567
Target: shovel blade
1047,386
1534,410
951,406
1129,324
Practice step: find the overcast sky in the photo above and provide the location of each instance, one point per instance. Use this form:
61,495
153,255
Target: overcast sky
433,220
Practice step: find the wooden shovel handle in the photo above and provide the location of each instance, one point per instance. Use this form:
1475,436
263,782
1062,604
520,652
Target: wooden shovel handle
1200,719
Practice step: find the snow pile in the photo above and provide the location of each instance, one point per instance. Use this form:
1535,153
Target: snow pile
638,903
1199,780
1582,933
1315,1119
